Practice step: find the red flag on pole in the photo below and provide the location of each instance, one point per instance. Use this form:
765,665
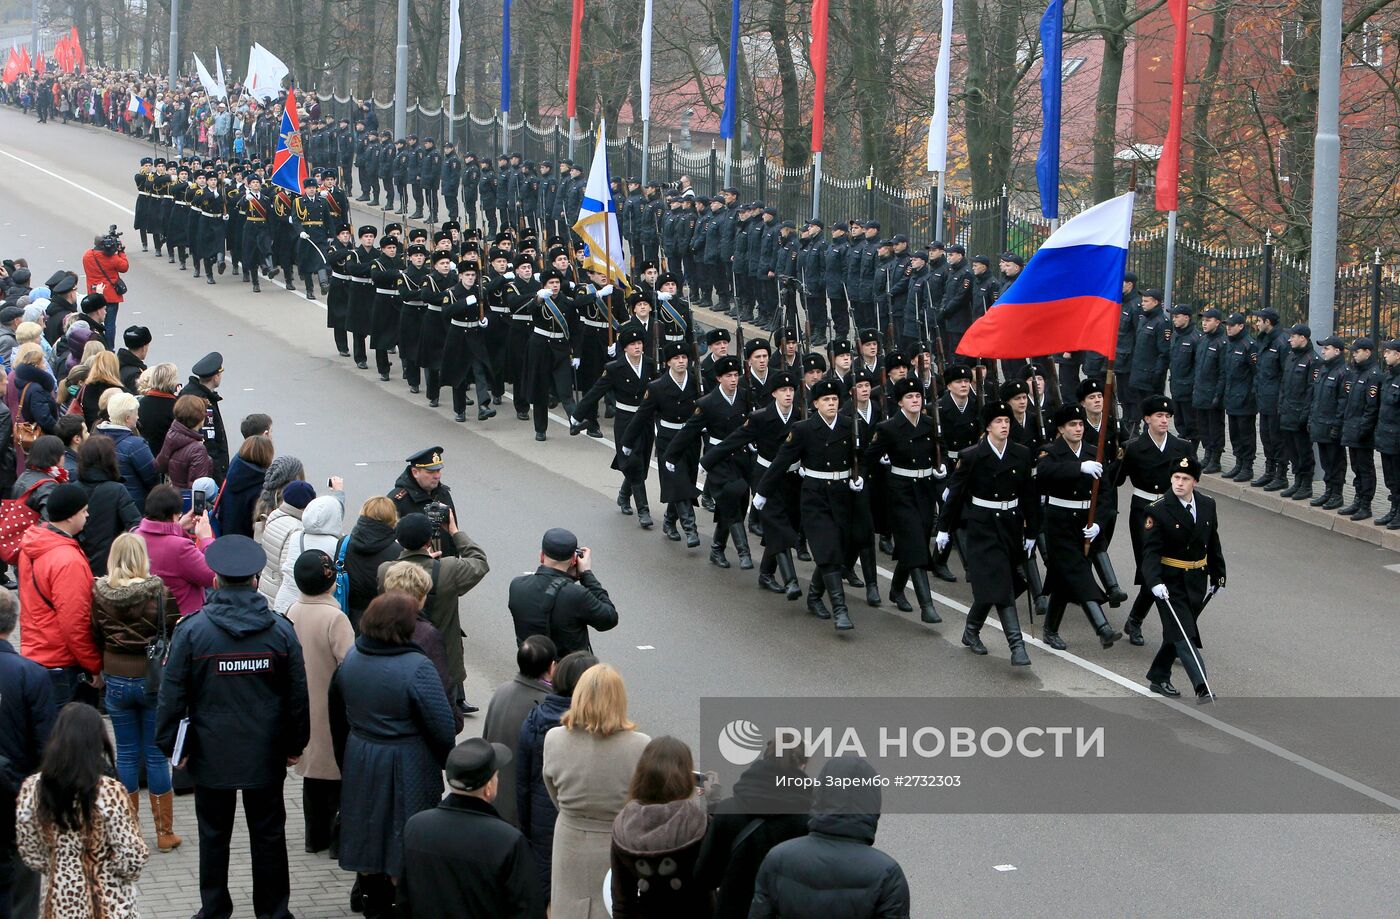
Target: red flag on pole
79,61
25,65
1169,166
39,66
819,21
11,67
575,39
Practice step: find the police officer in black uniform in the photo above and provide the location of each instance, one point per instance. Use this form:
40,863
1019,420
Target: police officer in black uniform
1388,432
1208,390
1273,358
1363,390
1186,342
1325,421
205,377
1294,405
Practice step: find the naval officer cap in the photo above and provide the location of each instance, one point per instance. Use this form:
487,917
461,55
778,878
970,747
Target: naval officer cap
429,459
235,556
209,365
1189,465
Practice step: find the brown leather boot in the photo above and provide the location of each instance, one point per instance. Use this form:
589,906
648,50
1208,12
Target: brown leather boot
133,801
162,808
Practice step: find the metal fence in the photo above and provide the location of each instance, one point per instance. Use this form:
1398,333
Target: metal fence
1231,279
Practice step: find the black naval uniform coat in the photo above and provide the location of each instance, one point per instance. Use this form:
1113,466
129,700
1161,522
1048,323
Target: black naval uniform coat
669,405
628,386
1149,468
714,419
995,537
832,515
1068,573
1186,556
757,441
910,487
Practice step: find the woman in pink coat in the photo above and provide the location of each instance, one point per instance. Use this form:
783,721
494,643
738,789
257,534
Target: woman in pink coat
176,545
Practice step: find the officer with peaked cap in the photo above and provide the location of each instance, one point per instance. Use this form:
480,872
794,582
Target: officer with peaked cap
420,484
626,378
1147,463
205,377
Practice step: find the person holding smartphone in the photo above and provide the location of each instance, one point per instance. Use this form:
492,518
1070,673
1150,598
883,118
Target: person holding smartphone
563,597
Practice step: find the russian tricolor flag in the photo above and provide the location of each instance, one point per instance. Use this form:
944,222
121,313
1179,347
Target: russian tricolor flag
1069,295
137,106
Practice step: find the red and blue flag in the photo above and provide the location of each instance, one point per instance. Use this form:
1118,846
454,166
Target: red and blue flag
288,162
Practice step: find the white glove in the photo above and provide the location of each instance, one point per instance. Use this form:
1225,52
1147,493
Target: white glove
612,350
471,301
1090,467
304,235
941,541
626,451
1091,532
946,493
1030,547
663,296
941,472
758,502
885,460
605,291
542,293
483,321
1160,592
574,362
670,467
857,484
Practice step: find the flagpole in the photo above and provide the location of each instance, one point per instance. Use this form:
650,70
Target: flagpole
400,72
728,161
646,93
816,184
174,66
1168,281
938,209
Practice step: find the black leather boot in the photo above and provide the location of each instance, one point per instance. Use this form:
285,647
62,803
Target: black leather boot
1303,492
802,554
872,582
644,516
850,577
1265,477
624,501
668,524
1107,633
1245,474
1232,472
1104,566
1011,624
1333,502
901,578
927,612
837,590
887,545
1386,517
741,545
788,571
1289,490
717,548
1050,629
971,636
1279,482
1350,509
1323,498
815,606
692,532
1211,465
1362,512
940,567
1037,586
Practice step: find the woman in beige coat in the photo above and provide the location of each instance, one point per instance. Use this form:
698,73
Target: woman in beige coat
326,637
588,764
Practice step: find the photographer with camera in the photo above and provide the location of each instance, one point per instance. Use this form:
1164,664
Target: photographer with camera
454,569
420,486
103,266
563,597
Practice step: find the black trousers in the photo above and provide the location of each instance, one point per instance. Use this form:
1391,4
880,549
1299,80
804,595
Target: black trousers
1242,439
1363,472
1210,422
1271,439
19,888
320,803
1068,373
449,196
1334,465
718,273
417,197
865,314
549,373
266,815
840,316
1184,417
816,310
1171,651
1390,468
1299,452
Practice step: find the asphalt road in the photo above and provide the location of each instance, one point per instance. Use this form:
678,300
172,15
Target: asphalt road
1305,613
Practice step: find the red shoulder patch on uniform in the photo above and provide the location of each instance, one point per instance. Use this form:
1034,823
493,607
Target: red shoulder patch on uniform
1374,391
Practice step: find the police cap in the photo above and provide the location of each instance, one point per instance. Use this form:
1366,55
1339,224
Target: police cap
1363,344
235,556
1235,319
1211,312
1331,341
209,365
1182,309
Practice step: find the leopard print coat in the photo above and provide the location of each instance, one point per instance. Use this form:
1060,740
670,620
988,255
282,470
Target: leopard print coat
87,875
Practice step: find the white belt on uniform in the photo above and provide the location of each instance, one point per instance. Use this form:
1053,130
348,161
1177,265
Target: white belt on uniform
626,407
435,309
357,280
463,324
670,425
1067,504
387,293
416,304
911,473
593,324
1145,495
951,454
523,317
500,309
765,463
996,505
340,277
828,476
548,334
714,441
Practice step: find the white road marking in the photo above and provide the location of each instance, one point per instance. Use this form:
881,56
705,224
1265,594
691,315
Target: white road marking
1090,666
1004,867
646,647
1395,568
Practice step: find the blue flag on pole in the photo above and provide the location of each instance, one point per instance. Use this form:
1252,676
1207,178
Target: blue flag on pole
731,76
1047,161
505,57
